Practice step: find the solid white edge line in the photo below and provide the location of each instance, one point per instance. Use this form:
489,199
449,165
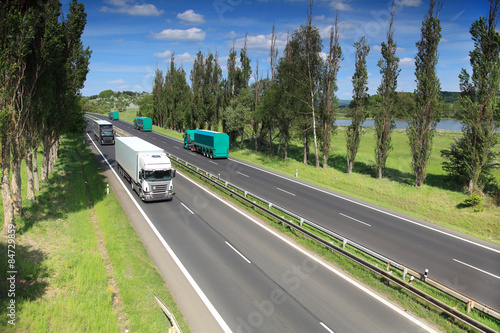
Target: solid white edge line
326,327
241,255
373,208
183,269
282,190
352,218
328,267
478,269
189,210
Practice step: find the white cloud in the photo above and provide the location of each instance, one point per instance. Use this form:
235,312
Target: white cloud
165,54
409,3
127,7
261,43
178,58
407,62
190,17
341,6
231,35
119,81
193,35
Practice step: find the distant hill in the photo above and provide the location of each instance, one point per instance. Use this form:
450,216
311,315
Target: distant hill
344,103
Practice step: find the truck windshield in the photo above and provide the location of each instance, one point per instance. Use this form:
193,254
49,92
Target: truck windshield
107,130
158,175
107,133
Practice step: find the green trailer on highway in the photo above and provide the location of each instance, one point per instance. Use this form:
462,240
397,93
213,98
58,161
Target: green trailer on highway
113,115
209,143
144,124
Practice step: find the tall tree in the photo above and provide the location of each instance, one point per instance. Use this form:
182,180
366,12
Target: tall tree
305,49
422,123
158,97
331,101
479,104
359,99
384,122
197,77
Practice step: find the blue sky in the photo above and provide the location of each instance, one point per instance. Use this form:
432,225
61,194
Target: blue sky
129,38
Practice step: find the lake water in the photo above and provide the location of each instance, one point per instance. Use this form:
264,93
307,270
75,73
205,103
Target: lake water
447,124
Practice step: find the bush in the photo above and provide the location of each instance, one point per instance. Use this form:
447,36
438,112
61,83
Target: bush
473,200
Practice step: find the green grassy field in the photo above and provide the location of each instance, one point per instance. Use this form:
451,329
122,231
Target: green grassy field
437,201
81,266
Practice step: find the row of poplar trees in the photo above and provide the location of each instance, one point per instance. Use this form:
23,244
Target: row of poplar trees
298,96
43,66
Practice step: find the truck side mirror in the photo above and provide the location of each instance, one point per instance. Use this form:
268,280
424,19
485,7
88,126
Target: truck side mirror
173,173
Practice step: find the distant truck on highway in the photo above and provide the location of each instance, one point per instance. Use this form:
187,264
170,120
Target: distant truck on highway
211,144
113,115
147,168
103,131
144,124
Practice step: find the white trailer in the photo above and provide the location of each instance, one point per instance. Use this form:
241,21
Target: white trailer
147,168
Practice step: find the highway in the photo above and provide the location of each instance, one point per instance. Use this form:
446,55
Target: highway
468,265
257,280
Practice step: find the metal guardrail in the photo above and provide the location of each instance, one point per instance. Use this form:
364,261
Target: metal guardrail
175,326
455,313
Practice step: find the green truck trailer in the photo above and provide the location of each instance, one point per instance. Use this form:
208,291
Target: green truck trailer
113,115
209,143
144,124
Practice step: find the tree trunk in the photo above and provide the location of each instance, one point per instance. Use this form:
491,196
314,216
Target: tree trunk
16,177
30,186
286,145
36,182
8,208
279,145
316,155
305,147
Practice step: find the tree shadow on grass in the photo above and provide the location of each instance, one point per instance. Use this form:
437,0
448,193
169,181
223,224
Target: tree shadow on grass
75,176
29,281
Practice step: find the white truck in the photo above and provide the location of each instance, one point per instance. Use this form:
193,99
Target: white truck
147,168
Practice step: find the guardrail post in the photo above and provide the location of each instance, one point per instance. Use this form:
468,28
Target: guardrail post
226,184
245,194
344,242
388,266
301,221
425,274
270,205
470,306
405,271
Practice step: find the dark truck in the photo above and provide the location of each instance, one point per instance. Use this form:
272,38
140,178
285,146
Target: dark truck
103,131
209,143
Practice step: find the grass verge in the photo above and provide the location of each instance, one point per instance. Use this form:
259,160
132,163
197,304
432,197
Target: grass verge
80,264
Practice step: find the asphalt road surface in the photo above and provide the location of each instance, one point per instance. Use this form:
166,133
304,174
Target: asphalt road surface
255,280
468,265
